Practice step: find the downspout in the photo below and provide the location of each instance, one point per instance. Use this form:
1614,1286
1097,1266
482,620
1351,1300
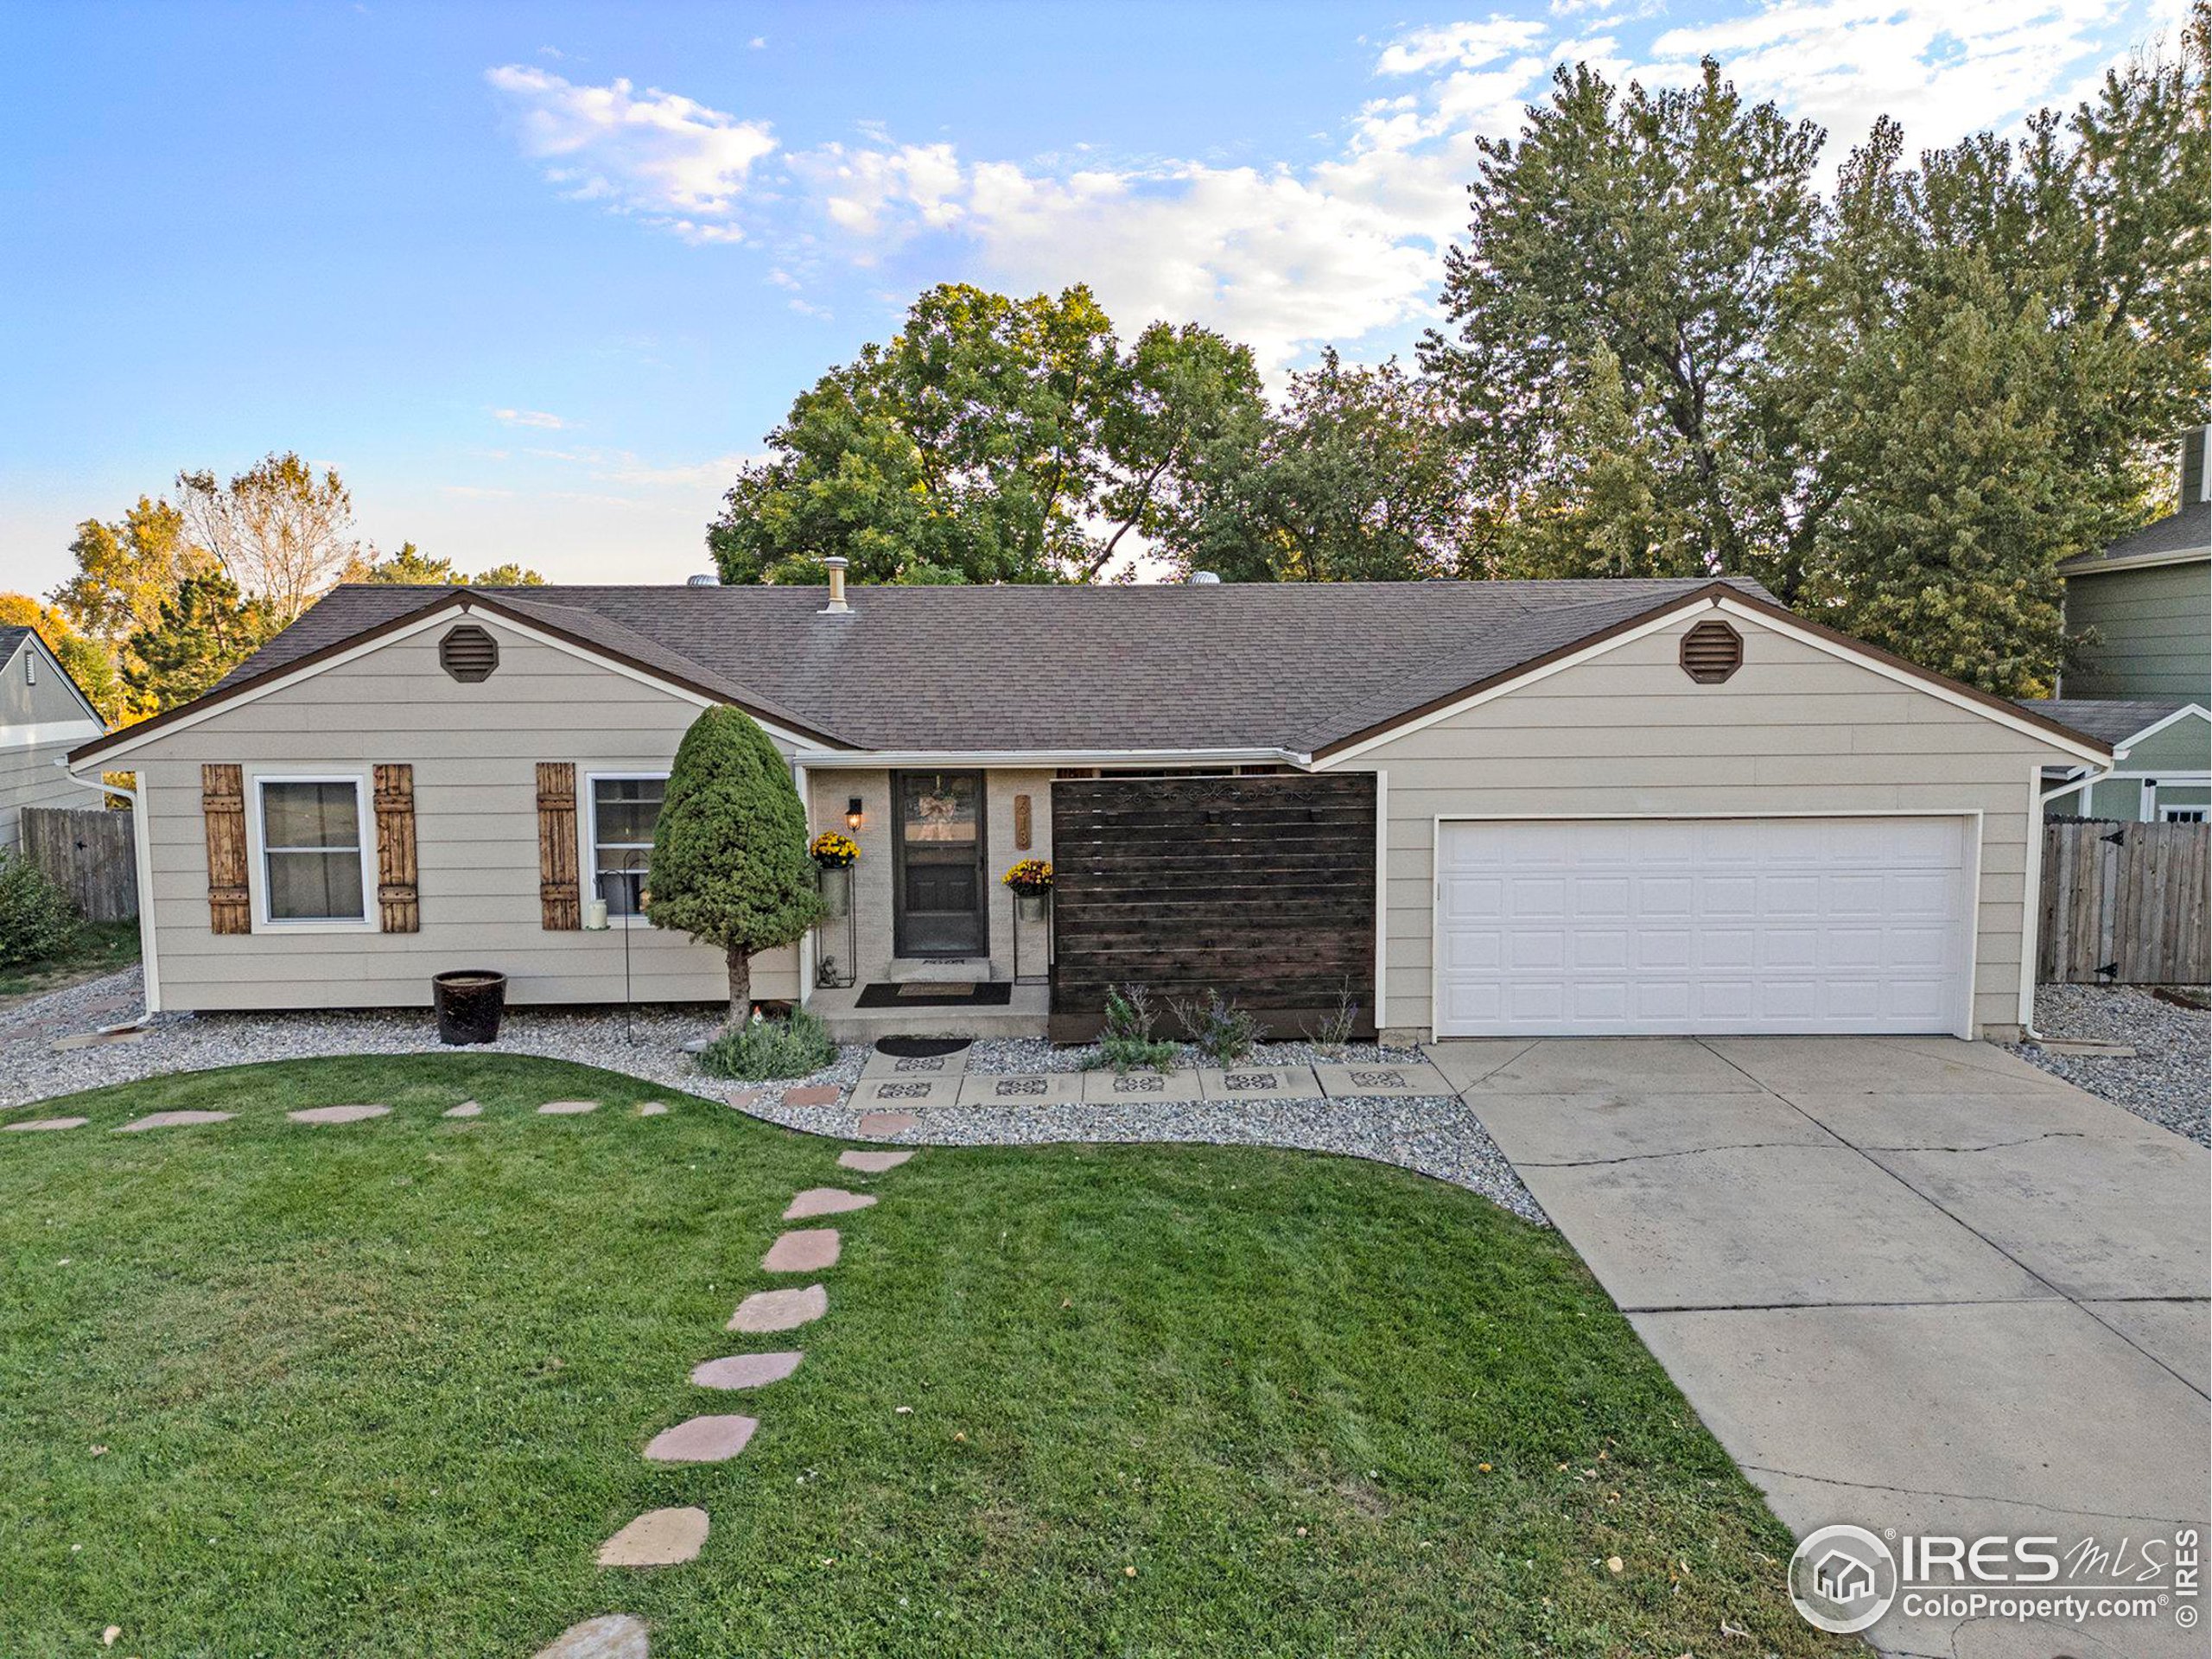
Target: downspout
2086,784
142,857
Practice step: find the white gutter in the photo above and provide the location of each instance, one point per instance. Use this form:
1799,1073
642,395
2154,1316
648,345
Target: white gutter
871,759
141,854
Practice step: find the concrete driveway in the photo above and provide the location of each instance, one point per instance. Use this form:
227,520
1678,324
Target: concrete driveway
1910,1283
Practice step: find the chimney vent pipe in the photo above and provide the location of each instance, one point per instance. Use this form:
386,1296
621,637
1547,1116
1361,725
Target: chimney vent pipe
836,606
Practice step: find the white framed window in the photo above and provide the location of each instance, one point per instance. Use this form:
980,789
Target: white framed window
2181,814
311,859
620,811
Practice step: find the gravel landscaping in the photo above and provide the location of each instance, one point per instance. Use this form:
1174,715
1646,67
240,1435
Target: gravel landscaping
2168,1080
1439,1137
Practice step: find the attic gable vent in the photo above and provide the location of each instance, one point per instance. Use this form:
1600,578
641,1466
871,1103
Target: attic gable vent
469,653
1710,652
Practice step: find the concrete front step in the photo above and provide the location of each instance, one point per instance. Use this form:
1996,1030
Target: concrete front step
1023,1016
940,971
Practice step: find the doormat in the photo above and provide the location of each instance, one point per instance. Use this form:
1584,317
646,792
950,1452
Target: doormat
921,993
920,1048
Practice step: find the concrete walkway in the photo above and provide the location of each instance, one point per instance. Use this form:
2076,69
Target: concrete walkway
1910,1283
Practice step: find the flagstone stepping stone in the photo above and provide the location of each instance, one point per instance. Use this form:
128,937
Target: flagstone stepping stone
702,1440
172,1121
611,1635
825,1201
653,1109
804,1250
32,1125
337,1113
745,1370
1104,1088
1022,1089
887,1123
566,1108
780,1310
744,1098
470,1108
813,1094
872,1163
656,1538
1260,1082
96,1039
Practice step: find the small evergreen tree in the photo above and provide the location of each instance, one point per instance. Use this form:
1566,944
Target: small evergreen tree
729,864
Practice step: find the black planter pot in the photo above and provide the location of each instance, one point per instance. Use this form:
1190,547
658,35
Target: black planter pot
469,1001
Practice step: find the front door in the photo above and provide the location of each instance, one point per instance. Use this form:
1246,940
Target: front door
938,889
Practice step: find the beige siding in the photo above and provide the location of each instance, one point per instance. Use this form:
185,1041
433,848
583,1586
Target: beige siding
870,939
1794,730
474,749
31,775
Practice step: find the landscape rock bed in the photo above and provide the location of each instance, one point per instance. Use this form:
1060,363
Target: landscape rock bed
2167,1081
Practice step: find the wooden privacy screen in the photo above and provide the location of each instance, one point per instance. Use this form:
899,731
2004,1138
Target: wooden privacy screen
2124,904
222,804
558,906
1262,888
398,909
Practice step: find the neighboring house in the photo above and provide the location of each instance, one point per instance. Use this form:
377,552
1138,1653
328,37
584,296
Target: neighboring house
1631,806
43,716
2163,769
2148,597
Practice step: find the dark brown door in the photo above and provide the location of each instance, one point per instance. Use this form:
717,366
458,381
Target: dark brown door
938,889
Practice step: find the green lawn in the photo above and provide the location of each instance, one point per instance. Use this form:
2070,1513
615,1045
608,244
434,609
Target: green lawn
99,948
380,1389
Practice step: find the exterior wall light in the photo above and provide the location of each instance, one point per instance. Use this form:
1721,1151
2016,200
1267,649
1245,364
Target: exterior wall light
853,813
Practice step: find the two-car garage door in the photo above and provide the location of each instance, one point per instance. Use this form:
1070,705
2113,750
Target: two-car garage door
1631,926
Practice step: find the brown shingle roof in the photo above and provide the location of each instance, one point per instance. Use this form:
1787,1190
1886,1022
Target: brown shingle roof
1234,666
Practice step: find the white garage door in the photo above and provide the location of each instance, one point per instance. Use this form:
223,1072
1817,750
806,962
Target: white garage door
1620,926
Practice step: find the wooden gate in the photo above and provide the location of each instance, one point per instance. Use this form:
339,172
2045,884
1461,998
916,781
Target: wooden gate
89,854
1262,888
2123,904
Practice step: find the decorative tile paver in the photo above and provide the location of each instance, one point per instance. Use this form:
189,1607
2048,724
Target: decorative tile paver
825,1201
915,1065
611,1635
467,1109
172,1121
887,1123
702,1440
745,1370
1022,1089
653,1109
813,1094
1414,1079
780,1310
905,1092
566,1108
1260,1082
804,1250
337,1113
1161,1088
32,1125
872,1163
656,1538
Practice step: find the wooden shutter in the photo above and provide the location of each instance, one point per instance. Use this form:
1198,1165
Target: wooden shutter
397,902
222,804
558,908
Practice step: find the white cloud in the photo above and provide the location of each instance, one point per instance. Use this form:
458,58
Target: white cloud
536,417
656,153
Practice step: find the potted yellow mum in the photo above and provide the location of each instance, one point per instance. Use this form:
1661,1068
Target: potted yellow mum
833,856
1032,881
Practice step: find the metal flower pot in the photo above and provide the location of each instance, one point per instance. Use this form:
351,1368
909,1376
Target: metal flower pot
837,890
1032,904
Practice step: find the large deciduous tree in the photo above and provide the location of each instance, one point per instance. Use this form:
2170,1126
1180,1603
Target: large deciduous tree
991,440
282,530
412,565
729,861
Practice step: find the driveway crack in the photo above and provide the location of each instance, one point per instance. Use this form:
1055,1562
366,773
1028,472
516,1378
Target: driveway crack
1688,1151
1966,1498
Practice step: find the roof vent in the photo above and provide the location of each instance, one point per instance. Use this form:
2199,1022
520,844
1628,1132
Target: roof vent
704,579
1203,578
1710,652
469,653
836,606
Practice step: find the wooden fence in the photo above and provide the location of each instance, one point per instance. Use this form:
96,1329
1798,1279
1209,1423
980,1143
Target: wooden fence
2124,904
89,852
1260,888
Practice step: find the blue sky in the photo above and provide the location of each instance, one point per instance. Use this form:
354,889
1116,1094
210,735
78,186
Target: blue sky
536,278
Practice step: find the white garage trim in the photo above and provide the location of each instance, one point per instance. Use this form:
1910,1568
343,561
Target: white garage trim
1969,923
